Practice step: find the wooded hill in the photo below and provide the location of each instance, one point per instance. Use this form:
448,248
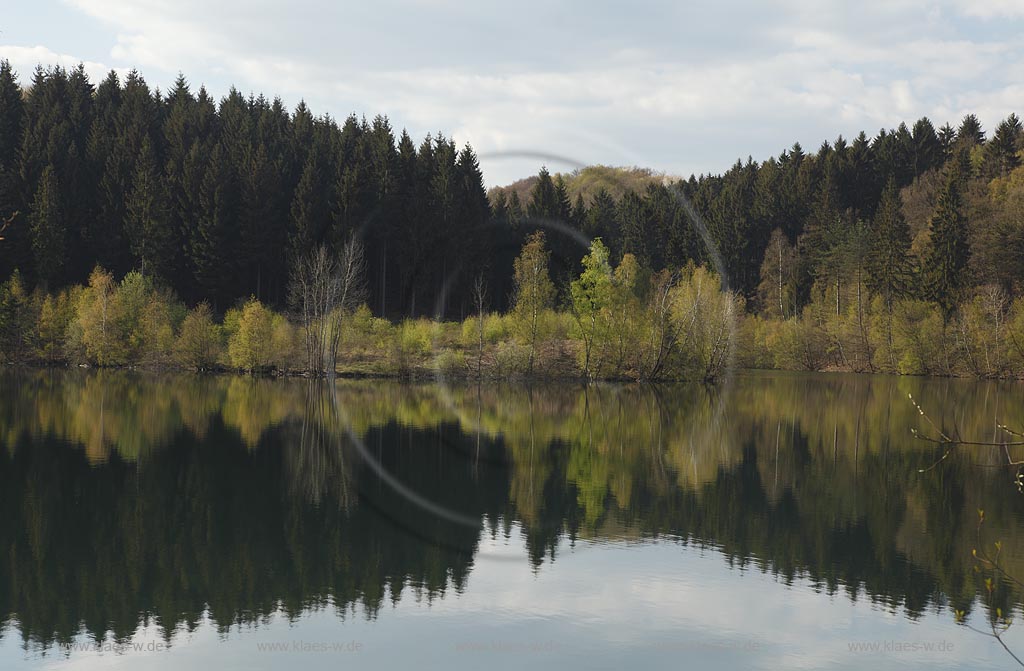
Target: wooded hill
215,200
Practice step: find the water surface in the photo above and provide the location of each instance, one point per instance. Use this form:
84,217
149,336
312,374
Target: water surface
771,521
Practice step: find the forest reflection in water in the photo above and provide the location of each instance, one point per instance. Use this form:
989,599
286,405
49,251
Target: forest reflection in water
133,497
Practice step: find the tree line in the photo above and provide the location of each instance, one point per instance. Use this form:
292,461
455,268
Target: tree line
621,322
829,255
214,199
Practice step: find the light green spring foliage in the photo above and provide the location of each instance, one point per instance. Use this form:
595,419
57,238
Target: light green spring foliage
16,320
620,322
612,324
200,342
260,339
981,333
98,320
497,328
1015,336
918,338
984,337
592,294
249,346
707,316
126,323
56,315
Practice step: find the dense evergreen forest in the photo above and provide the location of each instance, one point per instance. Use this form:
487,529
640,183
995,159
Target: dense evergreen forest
214,198
837,257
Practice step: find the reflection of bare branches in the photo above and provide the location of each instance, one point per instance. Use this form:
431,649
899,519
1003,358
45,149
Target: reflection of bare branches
951,442
990,562
987,561
318,466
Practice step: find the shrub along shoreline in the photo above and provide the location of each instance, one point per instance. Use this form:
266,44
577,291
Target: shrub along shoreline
617,323
136,324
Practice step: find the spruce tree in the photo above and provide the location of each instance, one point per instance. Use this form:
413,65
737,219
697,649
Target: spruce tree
562,198
11,120
404,256
1001,153
578,218
970,131
632,220
104,234
148,222
309,212
821,244
515,211
210,247
545,202
49,234
11,115
927,148
947,136
945,263
260,237
888,264
601,219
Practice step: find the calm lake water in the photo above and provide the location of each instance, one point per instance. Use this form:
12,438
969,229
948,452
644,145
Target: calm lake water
771,521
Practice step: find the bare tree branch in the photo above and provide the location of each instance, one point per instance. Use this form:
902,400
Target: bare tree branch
324,290
6,223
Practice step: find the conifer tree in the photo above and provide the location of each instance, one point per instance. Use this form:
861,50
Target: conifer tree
49,235
473,210
888,263
970,132
948,253
947,136
260,222
889,270
631,222
210,246
148,223
1002,152
104,234
309,213
601,218
545,202
578,218
515,211
562,198
11,120
11,115
927,148
864,183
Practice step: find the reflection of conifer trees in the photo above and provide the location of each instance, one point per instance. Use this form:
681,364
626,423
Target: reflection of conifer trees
207,527
175,497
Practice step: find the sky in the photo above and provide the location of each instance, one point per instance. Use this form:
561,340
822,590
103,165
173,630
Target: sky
677,87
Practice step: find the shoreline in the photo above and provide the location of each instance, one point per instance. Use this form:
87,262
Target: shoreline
426,374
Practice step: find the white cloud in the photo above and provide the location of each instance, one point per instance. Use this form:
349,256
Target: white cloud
991,9
25,59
